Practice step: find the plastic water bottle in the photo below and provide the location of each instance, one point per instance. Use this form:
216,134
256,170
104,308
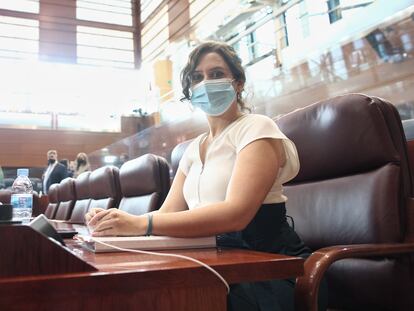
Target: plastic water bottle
22,196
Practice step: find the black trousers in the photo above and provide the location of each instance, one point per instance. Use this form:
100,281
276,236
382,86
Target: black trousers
270,232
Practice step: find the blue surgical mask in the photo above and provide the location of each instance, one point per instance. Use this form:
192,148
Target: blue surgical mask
214,97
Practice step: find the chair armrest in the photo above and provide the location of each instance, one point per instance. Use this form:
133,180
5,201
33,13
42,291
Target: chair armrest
307,286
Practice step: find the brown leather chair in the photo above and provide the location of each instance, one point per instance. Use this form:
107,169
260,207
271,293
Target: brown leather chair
5,196
144,183
352,204
37,208
176,155
53,197
83,198
67,198
104,187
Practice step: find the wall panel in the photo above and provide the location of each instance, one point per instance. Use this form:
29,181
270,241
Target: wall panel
27,148
21,147
179,17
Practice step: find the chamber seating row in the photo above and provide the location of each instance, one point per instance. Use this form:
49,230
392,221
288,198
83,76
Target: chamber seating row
137,187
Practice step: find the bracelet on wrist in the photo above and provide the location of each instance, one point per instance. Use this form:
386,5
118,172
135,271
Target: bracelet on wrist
149,224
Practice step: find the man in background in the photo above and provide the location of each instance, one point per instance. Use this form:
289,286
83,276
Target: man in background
1,178
55,172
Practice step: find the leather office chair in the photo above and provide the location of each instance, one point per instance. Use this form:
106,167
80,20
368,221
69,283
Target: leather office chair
5,196
67,198
144,184
53,197
8,182
176,155
104,187
352,204
165,173
37,208
83,198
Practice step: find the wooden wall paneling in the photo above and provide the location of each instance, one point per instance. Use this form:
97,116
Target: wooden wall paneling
179,18
57,45
24,147
32,253
136,24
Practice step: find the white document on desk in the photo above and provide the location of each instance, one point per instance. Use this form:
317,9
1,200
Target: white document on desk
144,243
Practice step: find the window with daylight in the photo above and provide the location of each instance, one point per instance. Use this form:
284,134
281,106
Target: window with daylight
335,12
29,6
117,12
97,46
19,38
111,42
44,47
147,7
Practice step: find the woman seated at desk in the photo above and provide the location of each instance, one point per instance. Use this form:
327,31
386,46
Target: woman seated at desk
229,181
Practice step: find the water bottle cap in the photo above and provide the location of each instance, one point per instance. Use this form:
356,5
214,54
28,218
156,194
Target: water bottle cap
23,172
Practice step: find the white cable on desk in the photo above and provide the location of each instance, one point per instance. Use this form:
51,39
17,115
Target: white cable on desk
167,255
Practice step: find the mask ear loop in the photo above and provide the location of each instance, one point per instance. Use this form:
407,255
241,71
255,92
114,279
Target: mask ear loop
188,101
238,94
242,105
190,106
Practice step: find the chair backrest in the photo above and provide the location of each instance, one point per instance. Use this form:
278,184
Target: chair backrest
8,182
165,182
67,198
353,187
352,167
144,184
176,155
408,126
104,187
53,198
83,198
37,208
5,196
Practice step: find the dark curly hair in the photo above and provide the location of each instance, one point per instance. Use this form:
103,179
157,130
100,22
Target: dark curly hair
227,53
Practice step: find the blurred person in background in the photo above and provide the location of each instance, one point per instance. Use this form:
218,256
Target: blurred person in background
65,163
1,178
55,172
82,164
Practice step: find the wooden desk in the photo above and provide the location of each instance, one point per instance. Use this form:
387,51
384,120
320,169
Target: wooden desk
127,281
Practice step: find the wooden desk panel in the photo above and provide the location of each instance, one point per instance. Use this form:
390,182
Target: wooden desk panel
228,262
127,281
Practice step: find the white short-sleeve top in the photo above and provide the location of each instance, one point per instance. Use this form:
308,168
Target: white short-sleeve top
208,183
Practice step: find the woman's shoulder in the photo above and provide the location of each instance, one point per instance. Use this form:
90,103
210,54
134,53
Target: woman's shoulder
257,121
256,118
252,127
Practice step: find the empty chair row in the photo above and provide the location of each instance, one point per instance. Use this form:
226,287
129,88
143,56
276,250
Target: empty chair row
73,197
138,187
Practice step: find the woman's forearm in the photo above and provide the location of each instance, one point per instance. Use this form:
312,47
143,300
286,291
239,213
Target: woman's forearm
203,221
